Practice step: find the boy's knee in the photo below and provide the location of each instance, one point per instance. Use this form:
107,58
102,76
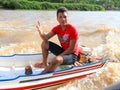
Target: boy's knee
45,44
58,59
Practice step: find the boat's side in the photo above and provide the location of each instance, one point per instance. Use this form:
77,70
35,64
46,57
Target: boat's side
48,79
37,82
21,60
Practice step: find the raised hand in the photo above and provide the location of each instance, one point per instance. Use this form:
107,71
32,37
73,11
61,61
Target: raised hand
41,33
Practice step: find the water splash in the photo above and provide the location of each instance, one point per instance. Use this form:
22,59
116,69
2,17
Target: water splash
110,73
113,45
25,47
97,81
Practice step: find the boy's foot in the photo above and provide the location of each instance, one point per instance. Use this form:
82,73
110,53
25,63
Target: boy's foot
39,65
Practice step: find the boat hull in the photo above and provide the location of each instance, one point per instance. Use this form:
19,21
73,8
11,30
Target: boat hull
14,78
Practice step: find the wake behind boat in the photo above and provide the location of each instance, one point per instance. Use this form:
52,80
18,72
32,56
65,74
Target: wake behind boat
13,77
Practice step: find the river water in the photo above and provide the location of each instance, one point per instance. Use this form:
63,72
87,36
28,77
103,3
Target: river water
99,31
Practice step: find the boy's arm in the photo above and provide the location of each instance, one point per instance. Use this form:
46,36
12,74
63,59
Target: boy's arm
70,49
44,36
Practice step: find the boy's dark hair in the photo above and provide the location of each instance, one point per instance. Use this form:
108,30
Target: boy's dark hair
61,10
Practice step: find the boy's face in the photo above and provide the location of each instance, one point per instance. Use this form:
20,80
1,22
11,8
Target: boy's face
62,18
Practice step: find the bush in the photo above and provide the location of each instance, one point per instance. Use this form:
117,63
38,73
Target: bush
37,5
11,4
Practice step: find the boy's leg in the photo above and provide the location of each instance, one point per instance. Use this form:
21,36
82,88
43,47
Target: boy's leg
69,59
56,61
44,46
61,60
48,46
55,48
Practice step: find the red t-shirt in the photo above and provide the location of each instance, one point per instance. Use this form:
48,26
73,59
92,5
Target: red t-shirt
64,36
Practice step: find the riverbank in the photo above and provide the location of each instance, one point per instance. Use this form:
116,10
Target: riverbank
37,5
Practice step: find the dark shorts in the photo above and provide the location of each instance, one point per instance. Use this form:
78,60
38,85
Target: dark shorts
56,50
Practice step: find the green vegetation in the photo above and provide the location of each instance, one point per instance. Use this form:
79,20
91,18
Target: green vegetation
86,5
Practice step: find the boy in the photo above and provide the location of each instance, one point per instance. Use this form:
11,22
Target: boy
68,36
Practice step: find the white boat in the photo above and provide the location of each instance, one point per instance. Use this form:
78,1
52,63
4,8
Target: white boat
13,77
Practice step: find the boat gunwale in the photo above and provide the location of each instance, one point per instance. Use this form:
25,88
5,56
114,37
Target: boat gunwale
61,71
20,54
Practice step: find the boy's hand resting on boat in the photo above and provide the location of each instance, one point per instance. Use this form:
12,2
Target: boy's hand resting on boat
94,59
40,65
